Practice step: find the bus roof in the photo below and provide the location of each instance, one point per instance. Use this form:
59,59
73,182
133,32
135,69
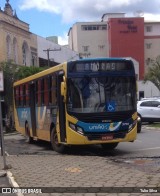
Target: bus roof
61,66
106,58
40,74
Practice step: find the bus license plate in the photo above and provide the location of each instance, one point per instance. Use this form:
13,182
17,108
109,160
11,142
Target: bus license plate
107,137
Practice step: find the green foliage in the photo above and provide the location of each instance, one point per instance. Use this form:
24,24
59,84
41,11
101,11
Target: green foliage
24,71
12,73
9,73
153,73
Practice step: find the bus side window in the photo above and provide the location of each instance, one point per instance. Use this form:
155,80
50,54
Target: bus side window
27,95
21,95
46,96
52,91
36,89
42,91
24,95
39,92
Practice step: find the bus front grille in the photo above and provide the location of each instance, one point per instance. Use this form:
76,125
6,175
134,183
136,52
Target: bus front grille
99,136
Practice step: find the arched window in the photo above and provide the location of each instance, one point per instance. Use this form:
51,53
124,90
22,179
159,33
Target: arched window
15,51
25,53
8,47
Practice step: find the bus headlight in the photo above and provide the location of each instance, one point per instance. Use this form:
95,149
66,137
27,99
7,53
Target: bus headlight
76,128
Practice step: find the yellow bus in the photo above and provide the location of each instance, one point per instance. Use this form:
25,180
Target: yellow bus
87,101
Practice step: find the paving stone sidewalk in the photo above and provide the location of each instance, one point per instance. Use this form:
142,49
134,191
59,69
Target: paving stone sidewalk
79,171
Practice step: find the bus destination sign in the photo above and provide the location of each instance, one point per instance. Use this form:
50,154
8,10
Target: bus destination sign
95,66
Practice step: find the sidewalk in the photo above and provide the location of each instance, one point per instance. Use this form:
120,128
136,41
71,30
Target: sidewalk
4,181
89,172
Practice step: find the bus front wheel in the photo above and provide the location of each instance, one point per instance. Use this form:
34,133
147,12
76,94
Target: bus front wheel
109,146
60,148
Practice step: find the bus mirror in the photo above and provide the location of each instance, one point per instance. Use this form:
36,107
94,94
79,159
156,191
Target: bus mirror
64,79
63,89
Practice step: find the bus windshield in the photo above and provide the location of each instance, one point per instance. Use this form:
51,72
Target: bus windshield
101,94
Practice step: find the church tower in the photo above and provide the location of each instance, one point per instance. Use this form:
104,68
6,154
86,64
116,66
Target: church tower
17,43
8,9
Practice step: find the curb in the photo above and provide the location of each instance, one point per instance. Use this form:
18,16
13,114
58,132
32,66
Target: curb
152,128
11,133
13,183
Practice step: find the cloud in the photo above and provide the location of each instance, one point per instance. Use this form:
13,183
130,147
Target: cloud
63,40
41,5
90,10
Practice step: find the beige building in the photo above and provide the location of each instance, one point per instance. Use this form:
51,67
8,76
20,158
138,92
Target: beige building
89,39
152,42
17,43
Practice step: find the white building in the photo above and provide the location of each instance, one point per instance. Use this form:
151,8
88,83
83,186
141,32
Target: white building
147,89
152,42
48,51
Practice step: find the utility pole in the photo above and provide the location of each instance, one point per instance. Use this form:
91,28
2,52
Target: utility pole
48,51
1,127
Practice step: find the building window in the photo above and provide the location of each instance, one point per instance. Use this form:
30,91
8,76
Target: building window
25,53
148,28
104,27
149,61
33,56
148,45
101,47
93,27
15,51
85,48
8,47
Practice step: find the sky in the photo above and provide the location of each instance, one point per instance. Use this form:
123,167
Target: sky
55,17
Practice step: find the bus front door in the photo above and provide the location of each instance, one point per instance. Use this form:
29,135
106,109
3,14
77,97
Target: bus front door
32,108
62,116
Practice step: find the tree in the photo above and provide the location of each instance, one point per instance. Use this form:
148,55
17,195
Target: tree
9,73
24,71
153,73
12,73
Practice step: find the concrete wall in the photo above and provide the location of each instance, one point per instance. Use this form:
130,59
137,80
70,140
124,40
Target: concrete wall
149,89
65,54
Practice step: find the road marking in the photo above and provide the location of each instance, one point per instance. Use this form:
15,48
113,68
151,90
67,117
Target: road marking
143,149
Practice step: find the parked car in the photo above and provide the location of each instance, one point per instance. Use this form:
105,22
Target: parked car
149,110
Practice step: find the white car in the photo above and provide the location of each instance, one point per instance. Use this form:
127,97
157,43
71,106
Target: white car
149,110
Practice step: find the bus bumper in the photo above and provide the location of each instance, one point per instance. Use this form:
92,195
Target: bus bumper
74,138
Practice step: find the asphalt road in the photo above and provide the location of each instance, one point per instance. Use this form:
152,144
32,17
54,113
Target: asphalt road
146,145
142,155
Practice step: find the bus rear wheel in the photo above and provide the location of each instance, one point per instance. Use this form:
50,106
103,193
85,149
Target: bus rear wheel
60,148
28,135
109,146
